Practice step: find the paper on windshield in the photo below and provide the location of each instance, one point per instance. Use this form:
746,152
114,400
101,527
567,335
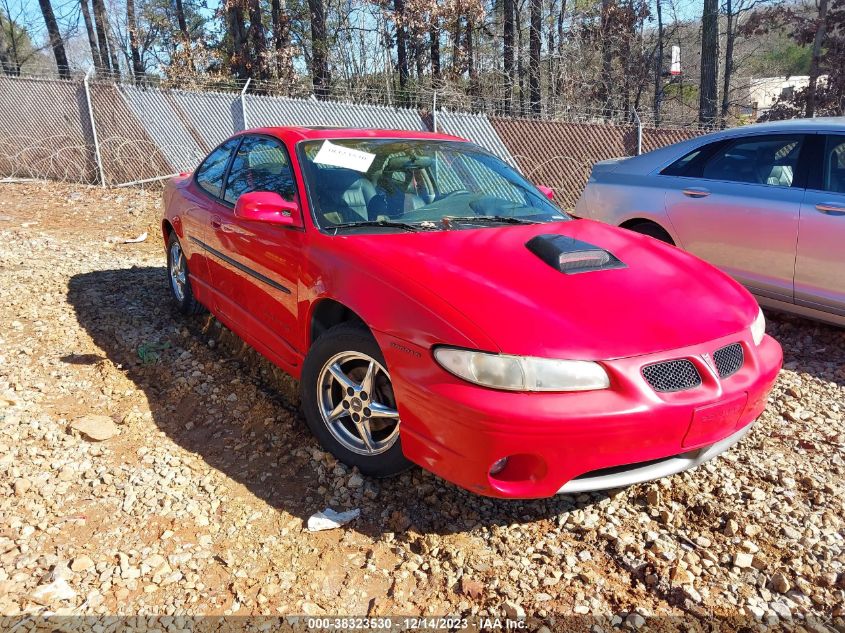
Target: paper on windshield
339,156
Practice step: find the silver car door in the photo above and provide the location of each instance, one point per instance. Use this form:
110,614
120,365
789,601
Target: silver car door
739,208
820,262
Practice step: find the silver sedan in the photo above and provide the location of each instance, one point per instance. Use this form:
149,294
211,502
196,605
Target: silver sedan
765,203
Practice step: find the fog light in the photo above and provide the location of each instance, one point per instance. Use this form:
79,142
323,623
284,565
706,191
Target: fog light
498,466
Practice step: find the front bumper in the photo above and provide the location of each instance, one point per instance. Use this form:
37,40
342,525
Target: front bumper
579,441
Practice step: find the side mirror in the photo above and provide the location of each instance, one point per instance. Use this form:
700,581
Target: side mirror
546,191
267,206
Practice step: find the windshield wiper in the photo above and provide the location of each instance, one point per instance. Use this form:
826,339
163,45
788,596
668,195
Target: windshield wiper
501,219
388,223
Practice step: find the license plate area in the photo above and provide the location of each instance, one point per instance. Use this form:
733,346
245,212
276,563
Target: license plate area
714,422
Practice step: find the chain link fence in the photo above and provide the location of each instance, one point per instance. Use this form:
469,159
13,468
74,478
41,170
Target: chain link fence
97,130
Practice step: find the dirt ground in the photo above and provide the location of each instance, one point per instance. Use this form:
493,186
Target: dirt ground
197,505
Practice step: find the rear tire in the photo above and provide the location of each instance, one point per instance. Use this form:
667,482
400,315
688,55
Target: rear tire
348,401
652,230
179,278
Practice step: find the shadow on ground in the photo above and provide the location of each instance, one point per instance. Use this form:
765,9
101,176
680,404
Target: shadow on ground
128,314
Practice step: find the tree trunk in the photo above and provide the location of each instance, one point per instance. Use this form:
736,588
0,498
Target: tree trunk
401,42
101,24
281,41
815,62
470,54
183,29
55,38
7,63
258,39
434,34
92,36
319,49
605,87
237,31
730,35
534,35
658,65
507,37
709,63
132,25
550,49
520,64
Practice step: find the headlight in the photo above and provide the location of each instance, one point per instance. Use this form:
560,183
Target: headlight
758,328
522,373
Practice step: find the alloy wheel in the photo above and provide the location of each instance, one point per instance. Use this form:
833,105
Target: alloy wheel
178,271
357,404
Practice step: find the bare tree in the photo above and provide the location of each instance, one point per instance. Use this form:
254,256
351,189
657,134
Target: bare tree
183,30
7,64
108,50
138,70
658,64
92,36
818,40
709,62
56,41
401,42
281,41
507,38
319,49
534,35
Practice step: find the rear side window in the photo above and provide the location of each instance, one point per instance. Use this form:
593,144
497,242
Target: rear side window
834,164
210,173
261,164
762,160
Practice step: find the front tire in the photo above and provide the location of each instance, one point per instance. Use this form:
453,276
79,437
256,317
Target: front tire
348,401
179,279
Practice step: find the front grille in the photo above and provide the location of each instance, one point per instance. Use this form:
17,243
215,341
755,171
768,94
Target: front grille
729,359
673,375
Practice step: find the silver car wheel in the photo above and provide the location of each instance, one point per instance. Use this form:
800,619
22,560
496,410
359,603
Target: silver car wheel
178,271
357,404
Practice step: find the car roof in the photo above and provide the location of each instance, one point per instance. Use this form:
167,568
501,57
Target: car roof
301,133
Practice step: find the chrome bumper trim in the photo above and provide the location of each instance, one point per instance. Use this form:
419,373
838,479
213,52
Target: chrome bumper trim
657,470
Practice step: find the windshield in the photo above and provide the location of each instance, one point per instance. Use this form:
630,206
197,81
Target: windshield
406,184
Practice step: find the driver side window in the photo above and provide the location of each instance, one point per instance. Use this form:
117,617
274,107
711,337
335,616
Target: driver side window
261,164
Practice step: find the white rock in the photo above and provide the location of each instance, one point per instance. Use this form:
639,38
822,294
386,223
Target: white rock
329,519
95,427
53,592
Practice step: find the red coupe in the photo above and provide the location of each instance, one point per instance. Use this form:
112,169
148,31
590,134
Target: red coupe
439,309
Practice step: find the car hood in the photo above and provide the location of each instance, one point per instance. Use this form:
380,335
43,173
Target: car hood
663,298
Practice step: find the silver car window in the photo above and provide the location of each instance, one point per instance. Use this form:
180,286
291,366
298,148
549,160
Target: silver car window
762,160
834,164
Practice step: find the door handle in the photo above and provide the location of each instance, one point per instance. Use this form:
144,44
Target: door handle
696,192
216,222
831,207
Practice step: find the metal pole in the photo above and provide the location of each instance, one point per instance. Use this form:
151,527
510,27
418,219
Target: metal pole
434,112
243,102
639,133
145,180
94,127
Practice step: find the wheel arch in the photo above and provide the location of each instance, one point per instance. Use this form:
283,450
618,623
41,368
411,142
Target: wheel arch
325,314
166,229
633,222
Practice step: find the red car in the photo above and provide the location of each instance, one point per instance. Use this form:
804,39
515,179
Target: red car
440,310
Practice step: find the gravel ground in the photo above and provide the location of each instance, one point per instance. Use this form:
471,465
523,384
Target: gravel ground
196,502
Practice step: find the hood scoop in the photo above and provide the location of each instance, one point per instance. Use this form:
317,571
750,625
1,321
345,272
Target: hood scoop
572,256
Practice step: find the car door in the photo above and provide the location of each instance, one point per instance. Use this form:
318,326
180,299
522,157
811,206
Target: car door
736,204
259,269
200,197
820,262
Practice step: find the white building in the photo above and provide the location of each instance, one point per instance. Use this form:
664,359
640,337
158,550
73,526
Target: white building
764,92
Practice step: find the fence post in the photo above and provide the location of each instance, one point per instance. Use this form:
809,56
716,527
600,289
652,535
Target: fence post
94,126
243,102
434,112
639,133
